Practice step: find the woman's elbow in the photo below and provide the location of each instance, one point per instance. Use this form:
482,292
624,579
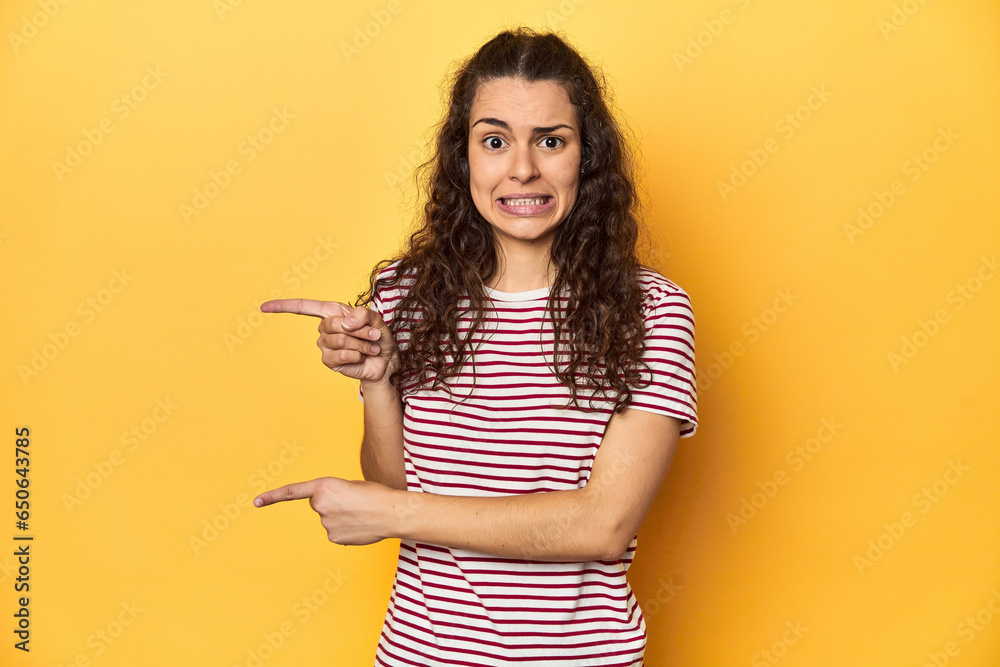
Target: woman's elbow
614,539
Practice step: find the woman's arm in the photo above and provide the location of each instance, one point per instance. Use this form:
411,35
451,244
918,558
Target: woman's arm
596,522
382,443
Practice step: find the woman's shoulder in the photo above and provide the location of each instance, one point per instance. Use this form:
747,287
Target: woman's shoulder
393,277
664,303
392,269
656,287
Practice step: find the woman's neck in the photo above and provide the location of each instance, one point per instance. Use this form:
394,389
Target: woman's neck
522,272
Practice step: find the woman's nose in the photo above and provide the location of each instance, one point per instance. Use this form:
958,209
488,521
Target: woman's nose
523,166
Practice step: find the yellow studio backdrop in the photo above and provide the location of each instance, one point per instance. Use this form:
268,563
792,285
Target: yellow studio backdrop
823,181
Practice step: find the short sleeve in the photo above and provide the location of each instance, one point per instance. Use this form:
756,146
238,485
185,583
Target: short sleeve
669,321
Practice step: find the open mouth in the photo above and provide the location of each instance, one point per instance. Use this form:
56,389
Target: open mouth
532,201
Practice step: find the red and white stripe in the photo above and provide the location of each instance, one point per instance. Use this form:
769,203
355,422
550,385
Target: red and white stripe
507,431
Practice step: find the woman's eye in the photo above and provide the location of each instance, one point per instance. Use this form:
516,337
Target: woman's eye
557,140
495,142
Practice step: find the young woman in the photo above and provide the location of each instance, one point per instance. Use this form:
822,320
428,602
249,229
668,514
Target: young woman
525,380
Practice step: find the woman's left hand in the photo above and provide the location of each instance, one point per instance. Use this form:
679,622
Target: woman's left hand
353,512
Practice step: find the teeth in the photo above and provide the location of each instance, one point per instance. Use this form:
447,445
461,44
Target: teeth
526,202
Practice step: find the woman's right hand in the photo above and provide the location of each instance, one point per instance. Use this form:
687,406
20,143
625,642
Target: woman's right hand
355,341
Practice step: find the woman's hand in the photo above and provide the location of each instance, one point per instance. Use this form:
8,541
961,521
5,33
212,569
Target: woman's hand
352,512
355,341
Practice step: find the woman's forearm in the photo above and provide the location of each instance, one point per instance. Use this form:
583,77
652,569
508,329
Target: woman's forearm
594,522
382,443
566,526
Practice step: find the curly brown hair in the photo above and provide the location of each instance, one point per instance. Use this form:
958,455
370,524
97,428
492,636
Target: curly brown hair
453,254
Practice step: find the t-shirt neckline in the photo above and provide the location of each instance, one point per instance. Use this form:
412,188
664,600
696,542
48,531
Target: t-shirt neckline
540,293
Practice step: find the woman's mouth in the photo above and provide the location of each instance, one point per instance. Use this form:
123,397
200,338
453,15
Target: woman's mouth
526,205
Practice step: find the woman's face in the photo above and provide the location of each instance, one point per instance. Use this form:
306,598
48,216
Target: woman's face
524,159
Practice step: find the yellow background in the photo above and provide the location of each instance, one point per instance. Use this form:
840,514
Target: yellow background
809,303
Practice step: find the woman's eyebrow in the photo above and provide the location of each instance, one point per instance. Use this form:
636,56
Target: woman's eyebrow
537,130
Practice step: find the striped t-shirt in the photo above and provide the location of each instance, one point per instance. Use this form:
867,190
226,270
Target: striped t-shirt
511,433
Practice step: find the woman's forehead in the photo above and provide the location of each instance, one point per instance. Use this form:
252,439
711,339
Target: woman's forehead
538,102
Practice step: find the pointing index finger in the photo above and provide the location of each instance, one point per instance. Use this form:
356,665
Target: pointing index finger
305,307
297,491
